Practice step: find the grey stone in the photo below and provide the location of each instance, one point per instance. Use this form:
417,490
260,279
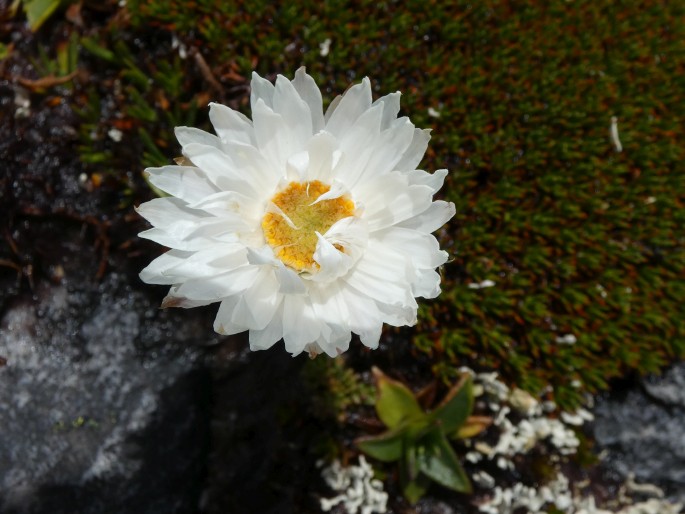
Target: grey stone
668,388
642,430
103,403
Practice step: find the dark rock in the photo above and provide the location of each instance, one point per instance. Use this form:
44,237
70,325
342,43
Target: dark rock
104,402
642,429
668,388
264,442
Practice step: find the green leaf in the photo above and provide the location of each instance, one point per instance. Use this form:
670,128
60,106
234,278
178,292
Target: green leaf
97,50
456,407
395,402
415,489
37,11
409,474
386,447
5,51
436,459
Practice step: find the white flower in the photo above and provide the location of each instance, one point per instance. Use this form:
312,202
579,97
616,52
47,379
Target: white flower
305,226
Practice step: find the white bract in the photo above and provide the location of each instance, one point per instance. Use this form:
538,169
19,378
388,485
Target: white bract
305,226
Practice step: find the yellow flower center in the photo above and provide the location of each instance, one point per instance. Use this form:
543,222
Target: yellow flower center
295,246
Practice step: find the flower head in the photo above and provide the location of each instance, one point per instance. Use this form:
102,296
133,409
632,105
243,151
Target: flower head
305,226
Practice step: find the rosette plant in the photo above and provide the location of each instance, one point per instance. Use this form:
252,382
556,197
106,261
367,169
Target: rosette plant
305,226
419,439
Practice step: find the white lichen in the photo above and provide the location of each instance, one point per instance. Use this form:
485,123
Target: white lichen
613,134
481,285
359,491
525,421
558,493
115,134
325,47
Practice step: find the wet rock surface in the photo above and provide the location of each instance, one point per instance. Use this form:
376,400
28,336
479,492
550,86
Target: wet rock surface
104,399
104,405
642,428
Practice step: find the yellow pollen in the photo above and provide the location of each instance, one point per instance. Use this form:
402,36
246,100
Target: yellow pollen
296,246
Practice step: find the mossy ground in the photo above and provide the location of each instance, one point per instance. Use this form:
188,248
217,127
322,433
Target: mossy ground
578,237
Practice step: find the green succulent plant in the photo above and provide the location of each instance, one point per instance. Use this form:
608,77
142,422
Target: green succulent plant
419,439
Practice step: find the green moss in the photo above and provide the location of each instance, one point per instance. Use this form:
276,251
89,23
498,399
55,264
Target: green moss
579,238
335,387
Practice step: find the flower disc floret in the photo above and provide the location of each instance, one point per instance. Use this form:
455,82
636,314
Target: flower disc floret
292,230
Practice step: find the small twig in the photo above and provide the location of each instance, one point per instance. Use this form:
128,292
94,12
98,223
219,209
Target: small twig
46,82
206,71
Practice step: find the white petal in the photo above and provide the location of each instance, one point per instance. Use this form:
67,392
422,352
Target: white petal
261,256
431,219
426,284
251,165
432,180
185,182
173,299
399,315
273,136
231,125
300,325
263,299
321,157
421,248
414,153
221,169
224,322
337,190
188,135
333,341
254,309
388,148
297,167
310,93
354,102
331,108
333,263
261,89
294,111
272,333
220,286
154,273
200,227
351,233
208,262
290,282
358,146
175,267
382,275
180,222
161,237
329,307
364,317
389,200
232,205
391,106
165,212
